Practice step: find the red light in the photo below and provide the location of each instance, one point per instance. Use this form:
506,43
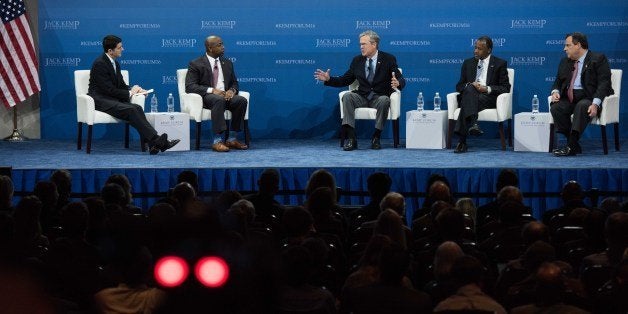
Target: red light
212,271
171,271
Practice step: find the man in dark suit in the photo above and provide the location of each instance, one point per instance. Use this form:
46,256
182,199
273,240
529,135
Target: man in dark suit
111,95
213,77
582,82
482,79
378,77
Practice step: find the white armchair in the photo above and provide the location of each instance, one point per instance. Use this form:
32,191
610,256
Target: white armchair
370,113
86,110
192,104
502,112
609,114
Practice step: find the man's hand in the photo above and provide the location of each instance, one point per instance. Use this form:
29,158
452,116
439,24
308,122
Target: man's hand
321,75
479,87
592,110
393,82
136,89
229,94
218,92
555,97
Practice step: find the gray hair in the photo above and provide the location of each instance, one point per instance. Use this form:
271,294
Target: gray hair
373,37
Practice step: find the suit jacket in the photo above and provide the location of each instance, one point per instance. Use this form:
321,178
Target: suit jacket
595,76
386,64
107,86
496,76
199,77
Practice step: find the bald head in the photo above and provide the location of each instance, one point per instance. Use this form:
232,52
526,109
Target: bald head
214,46
510,193
446,255
439,191
394,201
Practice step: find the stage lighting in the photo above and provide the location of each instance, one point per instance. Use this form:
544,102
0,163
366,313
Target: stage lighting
212,272
171,271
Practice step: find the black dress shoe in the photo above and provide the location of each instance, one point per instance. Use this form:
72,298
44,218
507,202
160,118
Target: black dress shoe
461,148
565,151
351,144
169,145
156,145
475,130
375,144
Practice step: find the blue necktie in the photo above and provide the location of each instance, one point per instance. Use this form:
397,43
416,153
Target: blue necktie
371,72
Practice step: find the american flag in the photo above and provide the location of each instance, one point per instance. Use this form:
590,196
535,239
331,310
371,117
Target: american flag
18,63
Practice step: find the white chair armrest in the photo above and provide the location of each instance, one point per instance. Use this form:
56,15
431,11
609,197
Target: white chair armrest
246,95
452,104
138,100
342,115
192,105
610,110
85,108
395,104
504,106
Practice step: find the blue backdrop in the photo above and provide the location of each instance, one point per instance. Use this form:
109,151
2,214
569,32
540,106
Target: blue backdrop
276,46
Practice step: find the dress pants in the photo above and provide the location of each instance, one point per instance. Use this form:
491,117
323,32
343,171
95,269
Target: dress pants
218,105
471,102
352,100
563,109
134,114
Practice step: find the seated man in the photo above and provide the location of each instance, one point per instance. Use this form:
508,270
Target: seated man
212,76
111,95
378,77
482,79
582,82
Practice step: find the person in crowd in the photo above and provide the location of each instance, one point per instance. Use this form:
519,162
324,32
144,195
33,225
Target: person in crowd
378,77
212,76
443,284
190,177
488,211
62,178
482,79
112,95
582,82
378,185
6,195
267,209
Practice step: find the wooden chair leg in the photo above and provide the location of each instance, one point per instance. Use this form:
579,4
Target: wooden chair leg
198,135
551,138
616,129
604,143
79,138
126,135
247,133
89,138
395,124
501,134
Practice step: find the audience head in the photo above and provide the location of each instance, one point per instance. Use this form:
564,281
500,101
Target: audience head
161,213
389,223
183,192
534,231
190,177
374,249
610,205
437,207
578,217
446,255
320,202
122,181
113,193
296,265
572,191
394,201
509,193
506,177
226,199
26,218
63,180
467,206
616,231
75,219
47,193
247,209
378,185
393,264
467,270
439,191
297,222
268,182
450,224
510,212
536,254
6,192
549,285
321,178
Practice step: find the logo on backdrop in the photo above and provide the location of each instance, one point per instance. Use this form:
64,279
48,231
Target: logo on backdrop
497,42
257,80
295,61
256,43
140,25
178,42
410,43
62,62
218,24
295,25
61,25
91,43
372,24
526,24
233,59
140,62
607,24
554,42
550,78
528,61
417,79
446,61
168,79
617,60
450,25
332,42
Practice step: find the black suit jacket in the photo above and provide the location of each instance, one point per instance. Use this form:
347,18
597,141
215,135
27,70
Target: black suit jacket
386,64
595,76
199,77
107,86
496,76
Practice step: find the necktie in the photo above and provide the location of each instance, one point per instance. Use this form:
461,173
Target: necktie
479,72
573,80
215,73
371,72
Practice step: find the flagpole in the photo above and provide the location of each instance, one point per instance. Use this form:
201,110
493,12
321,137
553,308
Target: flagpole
15,136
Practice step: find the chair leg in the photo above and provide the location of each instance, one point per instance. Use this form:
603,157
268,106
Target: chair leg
604,143
616,129
395,124
342,135
198,135
450,132
89,138
247,133
551,138
79,138
143,144
509,130
126,135
500,125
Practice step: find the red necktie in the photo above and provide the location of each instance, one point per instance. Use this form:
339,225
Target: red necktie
573,80
215,73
